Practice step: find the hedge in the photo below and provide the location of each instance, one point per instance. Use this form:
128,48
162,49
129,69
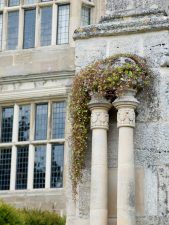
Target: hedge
11,216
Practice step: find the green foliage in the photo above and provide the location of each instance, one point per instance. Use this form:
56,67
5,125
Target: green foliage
38,217
108,78
9,215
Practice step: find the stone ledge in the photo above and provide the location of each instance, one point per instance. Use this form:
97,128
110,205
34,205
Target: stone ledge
119,24
37,77
133,13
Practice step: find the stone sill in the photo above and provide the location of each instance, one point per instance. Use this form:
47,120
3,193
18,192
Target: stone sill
35,49
37,192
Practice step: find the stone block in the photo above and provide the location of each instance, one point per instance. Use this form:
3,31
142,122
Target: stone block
115,5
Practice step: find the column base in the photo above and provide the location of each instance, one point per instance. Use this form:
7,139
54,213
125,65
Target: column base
75,221
98,217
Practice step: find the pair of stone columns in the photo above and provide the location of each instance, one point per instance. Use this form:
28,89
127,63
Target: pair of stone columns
125,104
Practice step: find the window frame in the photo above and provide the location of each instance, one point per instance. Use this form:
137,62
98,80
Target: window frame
35,25
12,9
84,6
57,30
32,143
40,26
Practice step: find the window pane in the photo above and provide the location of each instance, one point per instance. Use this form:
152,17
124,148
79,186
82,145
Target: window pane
39,166
63,24
13,20
41,121
27,2
5,168
14,2
2,4
22,167
7,124
58,121
46,0
46,26
24,123
29,28
85,16
1,19
57,165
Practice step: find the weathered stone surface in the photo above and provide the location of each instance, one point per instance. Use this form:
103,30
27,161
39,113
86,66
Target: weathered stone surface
45,200
152,114
36,61
114,5
134,22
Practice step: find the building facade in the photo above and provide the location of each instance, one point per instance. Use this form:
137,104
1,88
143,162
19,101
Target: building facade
40,54
37,66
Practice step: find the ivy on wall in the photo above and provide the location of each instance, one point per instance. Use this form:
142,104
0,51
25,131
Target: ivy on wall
107,78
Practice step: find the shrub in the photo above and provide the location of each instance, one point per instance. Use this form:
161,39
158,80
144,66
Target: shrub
38,217
9,215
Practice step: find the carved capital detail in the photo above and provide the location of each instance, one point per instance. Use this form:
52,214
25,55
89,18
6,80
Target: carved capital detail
99,120
126,117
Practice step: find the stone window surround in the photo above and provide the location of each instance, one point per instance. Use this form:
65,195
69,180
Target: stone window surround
38,5
32,144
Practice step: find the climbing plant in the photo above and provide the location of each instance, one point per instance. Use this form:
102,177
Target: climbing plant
106,78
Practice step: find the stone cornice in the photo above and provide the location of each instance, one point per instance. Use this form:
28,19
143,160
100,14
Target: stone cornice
133,13
34,94
37,77
121,23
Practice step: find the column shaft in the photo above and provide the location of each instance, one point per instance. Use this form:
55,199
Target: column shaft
126,104
99,170
98,206
126,178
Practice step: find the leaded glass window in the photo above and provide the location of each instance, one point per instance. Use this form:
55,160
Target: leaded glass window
40,25
85,16
28,2
39,166
13,2
13,24
63,24
58,119
1,25
46,26
29,28
34,144
41,121
22,167
7,124
46,0
5,168
57,165
24,123
2,4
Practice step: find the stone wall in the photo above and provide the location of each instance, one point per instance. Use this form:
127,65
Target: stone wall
152,121
34,61
45,200
116,5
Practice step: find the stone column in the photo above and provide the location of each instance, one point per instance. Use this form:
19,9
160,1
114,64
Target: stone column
126,104
99,125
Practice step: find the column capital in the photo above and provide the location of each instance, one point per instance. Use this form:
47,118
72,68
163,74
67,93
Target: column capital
99,108
126,104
